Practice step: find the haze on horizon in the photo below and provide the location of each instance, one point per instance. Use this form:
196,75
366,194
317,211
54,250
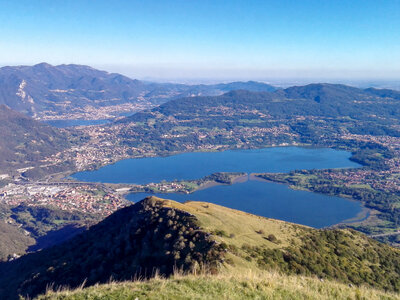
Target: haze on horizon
208,40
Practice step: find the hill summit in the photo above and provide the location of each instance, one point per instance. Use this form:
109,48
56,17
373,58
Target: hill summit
160,236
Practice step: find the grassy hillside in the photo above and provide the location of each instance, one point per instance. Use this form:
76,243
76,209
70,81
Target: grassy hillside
264,285
258,243
157,235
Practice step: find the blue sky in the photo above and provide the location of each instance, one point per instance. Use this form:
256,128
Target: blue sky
207,39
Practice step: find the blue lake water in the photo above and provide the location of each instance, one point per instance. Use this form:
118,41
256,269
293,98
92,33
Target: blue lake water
258,197
195,165
73,123
272,200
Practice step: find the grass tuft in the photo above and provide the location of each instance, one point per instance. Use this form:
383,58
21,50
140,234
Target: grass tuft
247,285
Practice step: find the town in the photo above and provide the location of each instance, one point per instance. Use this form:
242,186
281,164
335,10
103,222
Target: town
84,198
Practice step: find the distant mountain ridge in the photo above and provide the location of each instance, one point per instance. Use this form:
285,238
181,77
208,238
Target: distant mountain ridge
78,91
39,88
337,92
73,91
320,99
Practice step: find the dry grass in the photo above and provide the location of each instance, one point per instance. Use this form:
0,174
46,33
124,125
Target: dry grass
242,280
245,227
244,285
240,228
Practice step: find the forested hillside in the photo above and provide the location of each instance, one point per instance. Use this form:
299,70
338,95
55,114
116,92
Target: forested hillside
25,142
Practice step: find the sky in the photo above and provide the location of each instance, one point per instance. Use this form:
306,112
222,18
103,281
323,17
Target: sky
353,39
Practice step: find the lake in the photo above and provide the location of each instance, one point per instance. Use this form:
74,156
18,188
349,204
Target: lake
272,200
73,123
258,197
195,165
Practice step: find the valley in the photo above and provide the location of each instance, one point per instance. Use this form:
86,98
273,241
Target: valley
336,147
198,150
341,119
318,115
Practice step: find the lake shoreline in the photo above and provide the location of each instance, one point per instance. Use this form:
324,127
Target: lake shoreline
270,200
313,158
238,179
362,216
234,181
92,168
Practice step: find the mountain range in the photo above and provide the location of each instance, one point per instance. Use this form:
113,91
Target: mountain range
339,110
75,91
320,99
